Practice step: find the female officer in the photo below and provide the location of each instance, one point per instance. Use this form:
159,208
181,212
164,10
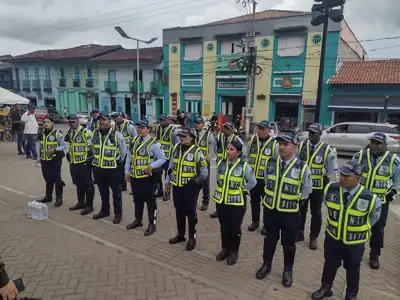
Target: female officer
51,151
187,169
235,178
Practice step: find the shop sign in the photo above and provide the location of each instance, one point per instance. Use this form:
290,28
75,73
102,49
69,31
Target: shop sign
229,62
232,85
287,83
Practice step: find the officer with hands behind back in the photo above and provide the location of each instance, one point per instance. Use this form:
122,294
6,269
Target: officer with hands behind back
143,164
235,178
287,182
381,175
187,170
79,155
352,210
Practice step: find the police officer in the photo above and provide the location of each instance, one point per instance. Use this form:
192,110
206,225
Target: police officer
187,170
235,178
381,175
93,123
166,136
261,147
79,155
143,164
51,151
287,182
205,141
128,131
109,149
223,140
352,210
322,162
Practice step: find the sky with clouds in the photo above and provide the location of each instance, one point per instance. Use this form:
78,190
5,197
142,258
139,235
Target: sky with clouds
26,25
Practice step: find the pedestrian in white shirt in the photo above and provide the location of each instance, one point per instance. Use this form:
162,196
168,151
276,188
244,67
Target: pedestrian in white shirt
30,131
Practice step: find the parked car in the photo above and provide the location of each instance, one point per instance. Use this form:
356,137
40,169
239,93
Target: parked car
274,129
41,113
83,117
350,137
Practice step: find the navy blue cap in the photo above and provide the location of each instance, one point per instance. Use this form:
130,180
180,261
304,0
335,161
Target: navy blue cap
163,117
104,116
228,125
379,137
263,124
31,106
95,110
316,127
350,168
288,138
72,118
199,121
186,132
142,123
117,114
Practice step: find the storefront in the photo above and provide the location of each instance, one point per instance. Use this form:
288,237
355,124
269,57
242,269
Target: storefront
231,95
285,109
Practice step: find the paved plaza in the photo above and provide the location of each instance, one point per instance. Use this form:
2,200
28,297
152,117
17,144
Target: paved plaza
70,257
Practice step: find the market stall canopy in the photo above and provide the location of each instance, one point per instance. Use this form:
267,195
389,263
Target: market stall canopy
7,97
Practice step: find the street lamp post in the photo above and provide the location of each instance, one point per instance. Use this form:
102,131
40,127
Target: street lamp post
124,35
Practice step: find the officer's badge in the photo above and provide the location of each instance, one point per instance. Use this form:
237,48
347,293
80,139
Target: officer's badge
78,139
270,169
303,156
295,173
107,152
383,170
109,143
52,138
190,157
202,143
267,151
254,149
331,197
362,204
142,152
318,159
237,171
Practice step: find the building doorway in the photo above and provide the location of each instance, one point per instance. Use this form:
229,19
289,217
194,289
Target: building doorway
286,114
128,109
113,103
232,106
159,107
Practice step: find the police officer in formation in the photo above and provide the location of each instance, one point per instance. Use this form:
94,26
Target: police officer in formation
143,165
205,141
322,162
261,147
223,140
109,150
381,175
235,178
352,210
187,170
51,152
166,136
93,123
80,156
128,131
287,183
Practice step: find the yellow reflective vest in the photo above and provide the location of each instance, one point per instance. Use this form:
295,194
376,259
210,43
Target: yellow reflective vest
141,156
47,142
221,145
184,165
105,149
165,139
79,147
202,142
258,156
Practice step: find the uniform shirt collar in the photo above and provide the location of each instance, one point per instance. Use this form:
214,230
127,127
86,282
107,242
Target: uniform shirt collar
352,191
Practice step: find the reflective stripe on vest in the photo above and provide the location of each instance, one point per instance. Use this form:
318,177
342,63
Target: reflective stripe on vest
221,149
258,157
230,183
184,165
78,145
94,125
125,132
349,223
377,179
141,157
202,143
165,139
316,162
105,151
284,192
48,142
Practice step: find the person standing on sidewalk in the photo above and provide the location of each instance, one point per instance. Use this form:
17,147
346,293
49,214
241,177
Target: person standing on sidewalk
166,136
205,141
235,178
51,147
287,183
261,147
18,128
8,290
31,129
80,158
321,160
143,164
93,123
187,170
381,175
109,149
352,211
128,131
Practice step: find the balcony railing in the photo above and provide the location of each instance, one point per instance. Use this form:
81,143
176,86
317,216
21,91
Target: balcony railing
110,86
76,83
47,85
90,83
26,85
8,85
36,85
133,86
62,83
157,87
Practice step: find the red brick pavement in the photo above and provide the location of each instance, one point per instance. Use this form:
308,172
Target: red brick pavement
67,235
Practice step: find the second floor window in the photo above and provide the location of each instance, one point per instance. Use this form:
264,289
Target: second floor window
77,74
47,73
26,73
16,74
62,73
36,73
193,51
291,45
89,73
135,75
230,47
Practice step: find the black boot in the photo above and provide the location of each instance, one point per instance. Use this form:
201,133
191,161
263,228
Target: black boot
191,244
287,278
78,206
263,231
46,199
313,243
232,258
350,297
204,207
222,255
87,210
89,195
300,236
179,238
264,271
214,215
253,226
117,219
150,230
59,201
323,292
100,215
374,262
134,224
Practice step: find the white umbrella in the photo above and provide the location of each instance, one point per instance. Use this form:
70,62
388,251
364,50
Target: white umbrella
7,97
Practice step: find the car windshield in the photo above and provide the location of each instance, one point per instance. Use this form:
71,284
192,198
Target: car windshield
40,111
385,129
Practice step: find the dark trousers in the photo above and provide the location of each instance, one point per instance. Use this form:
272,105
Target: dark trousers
335,252
230,219
284,226
143,192
20,141
121,168
185,203
158,186
256,195
315,200
30,148
81,175
205,186
51,171
377,231
106,179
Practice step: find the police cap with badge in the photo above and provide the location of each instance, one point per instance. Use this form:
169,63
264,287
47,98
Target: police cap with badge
289,138
351,168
